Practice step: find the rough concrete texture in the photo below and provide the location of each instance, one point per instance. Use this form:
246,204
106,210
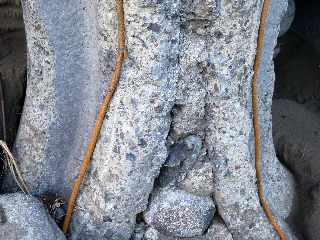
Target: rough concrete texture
132,147
230,134
218,231
23,217
278,182
180,214
63,89
189,72
199,180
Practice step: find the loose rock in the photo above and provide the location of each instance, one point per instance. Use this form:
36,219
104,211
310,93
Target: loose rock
180,214
23,217
217,231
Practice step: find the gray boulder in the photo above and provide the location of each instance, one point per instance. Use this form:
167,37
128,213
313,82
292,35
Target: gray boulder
24,217
217,231
180,214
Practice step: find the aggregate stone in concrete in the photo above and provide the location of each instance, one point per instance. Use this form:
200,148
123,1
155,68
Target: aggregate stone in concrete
182,156
186,151
218,231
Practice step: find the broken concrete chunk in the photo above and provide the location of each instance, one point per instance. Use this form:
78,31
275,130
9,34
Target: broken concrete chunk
230,141
54,131
132,146
206,65
24,217
180,214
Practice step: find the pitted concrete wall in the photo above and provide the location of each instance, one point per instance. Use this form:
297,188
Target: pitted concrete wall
180,118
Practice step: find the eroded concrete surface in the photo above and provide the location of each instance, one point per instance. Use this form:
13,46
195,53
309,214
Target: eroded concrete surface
188,75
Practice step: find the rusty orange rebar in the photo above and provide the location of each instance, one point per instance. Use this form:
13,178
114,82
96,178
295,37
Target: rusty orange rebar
101,115
256,68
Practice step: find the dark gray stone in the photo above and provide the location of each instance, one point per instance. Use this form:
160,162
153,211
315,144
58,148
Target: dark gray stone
185,152
182,156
